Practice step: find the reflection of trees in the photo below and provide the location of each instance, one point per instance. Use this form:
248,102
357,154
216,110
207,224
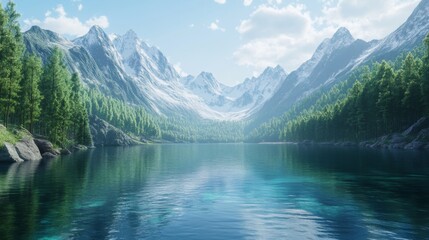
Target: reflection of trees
388,186
138,190
45,199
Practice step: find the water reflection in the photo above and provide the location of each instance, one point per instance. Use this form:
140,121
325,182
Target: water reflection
224,191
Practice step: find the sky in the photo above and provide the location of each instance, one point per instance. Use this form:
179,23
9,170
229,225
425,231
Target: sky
233,39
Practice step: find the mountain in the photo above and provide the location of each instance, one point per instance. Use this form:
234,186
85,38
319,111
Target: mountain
330,62
240,101
127,69
142,60
337,57
408,36
97,71
207,88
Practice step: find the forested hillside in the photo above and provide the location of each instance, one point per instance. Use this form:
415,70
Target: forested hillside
383,100
46,100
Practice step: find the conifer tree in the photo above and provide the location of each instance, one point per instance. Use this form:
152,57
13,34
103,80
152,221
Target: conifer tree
30,92
80,126
425,77
56,103
11,60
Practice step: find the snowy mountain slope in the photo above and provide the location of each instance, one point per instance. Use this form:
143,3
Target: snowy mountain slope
408,36
329,62
79,59
337,57
207,88
240,101
147,69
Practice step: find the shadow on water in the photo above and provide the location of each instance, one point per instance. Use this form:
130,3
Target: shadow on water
218,191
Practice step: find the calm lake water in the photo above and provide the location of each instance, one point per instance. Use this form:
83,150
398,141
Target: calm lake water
218,191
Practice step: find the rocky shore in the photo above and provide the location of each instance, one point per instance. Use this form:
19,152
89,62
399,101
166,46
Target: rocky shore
416,137
29,148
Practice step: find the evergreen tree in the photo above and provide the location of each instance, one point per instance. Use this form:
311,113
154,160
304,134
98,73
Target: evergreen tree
411,87
425,77
30,92
56,102
11,60
80,126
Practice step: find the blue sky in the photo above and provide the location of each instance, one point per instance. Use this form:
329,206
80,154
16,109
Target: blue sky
233,39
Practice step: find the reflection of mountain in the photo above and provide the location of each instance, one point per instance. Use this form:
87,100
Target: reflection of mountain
163,190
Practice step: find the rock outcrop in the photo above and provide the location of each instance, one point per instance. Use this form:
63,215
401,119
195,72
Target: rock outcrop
8,154
104,134
46,147
27,150
24,150
416,137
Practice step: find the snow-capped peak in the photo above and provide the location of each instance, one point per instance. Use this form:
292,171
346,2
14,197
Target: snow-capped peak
207,81
48,36
142,60
131,35
342,35
95,36
340,39
409,33
272,72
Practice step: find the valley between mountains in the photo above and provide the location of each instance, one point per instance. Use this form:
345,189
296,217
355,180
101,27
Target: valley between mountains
131,88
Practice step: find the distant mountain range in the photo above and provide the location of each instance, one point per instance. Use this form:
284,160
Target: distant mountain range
127,68
337,57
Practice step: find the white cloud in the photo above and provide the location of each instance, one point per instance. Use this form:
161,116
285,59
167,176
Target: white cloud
214,26
80,7
274,36
191,25
220,1
368,19
272,2
64,24
247,2
289,35
267,21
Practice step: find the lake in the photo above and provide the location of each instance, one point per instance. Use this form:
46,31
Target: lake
218,191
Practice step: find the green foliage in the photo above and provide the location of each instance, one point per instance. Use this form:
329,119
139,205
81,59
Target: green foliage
11,49
56,115
31,96
7,136
425,76
179,129
382,101
131,119
79,115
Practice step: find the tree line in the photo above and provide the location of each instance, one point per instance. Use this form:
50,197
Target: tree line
383,100
131,119
45,99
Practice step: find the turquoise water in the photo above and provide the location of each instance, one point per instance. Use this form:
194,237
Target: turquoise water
218,191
